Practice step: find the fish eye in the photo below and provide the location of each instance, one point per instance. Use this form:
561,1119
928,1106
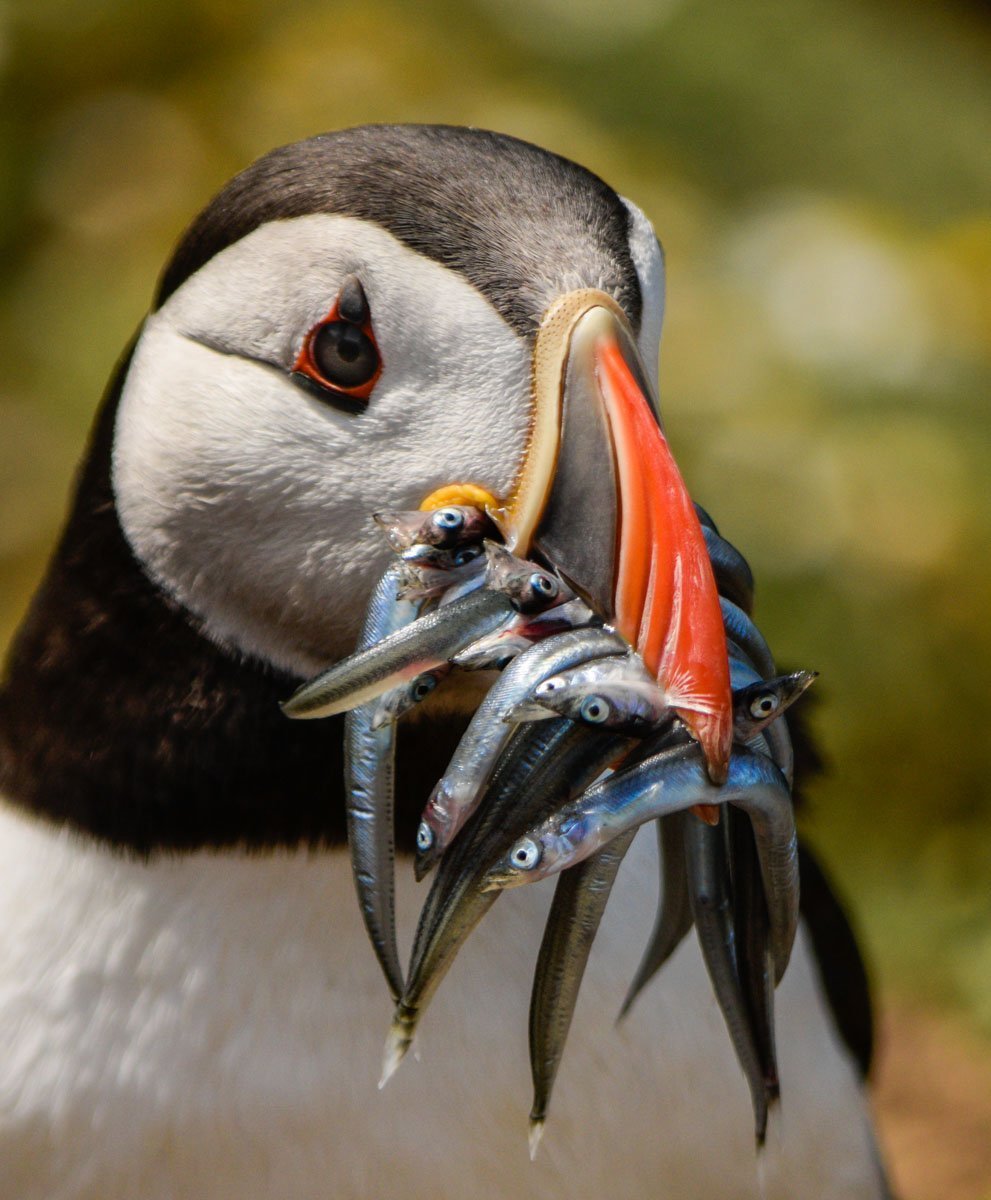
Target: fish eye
548,687
763,705
467,555
423,686
448,519
525,854
424,836
543,585
594,709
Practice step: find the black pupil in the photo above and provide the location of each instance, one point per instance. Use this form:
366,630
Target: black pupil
343,355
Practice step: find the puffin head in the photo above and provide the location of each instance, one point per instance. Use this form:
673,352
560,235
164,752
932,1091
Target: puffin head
357,322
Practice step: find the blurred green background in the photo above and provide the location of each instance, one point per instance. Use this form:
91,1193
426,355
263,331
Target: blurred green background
819,172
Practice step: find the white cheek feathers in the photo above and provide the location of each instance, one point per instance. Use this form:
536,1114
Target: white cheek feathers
648,258
248,500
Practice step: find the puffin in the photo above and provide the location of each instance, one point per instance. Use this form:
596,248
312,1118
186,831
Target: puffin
188,1004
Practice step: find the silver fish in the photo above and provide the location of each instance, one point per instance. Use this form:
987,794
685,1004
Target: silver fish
442,576
429,642
422,555
761,702
445,528
754,964
670,781
454,798
542,764
755,706
497,649
392,705
579,903
493,652
708,875
745,634
531,588
369,766
734,578
617,692
620,693
774,737
674,914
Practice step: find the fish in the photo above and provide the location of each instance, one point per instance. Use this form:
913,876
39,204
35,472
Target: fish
619,692
493,652
758,704
734,579
444,528
543,764
755,707
670,781
754,963
709,892
390,706
422,555
369,767
773,736
454,798
674,913
530,587
445,576
429,642
579,903
742,632
497,649
614,692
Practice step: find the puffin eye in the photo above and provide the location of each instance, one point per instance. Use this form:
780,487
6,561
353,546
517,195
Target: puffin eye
424,836
763,705
543,585
448,518
340,358
594,709
345,357
525,854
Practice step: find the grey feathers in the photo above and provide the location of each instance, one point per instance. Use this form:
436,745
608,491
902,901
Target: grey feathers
521,224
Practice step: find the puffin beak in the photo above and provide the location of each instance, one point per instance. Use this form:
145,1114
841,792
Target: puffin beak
600,496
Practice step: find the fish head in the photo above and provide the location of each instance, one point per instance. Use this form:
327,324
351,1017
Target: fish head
530,588
758,704
446,528
610,693
437,827
541,852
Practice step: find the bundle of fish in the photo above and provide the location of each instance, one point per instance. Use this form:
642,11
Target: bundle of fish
582,738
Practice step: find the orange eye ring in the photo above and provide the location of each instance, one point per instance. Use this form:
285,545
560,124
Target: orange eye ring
340,354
